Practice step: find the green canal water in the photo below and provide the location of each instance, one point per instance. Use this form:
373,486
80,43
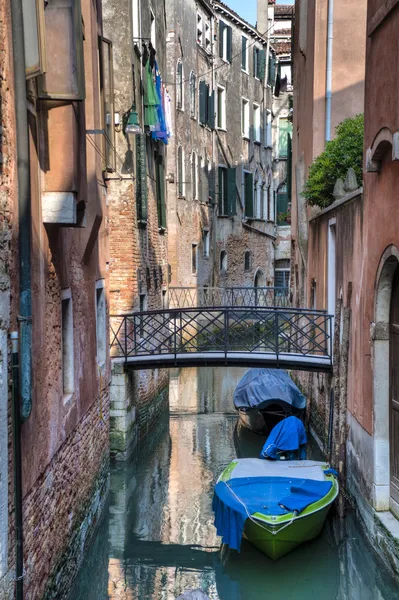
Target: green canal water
157,539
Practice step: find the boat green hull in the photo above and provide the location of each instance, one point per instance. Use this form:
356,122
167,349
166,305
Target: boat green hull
301,530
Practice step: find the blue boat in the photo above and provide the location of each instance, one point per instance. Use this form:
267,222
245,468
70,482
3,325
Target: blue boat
264,397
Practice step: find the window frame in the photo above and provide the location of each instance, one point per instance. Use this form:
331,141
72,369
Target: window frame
223,261
224,201
256,126
279,154
245,120
268,131
179,86
194,175
247,263
245,173
207,243
37,9
181,187
246,70
193,95
222,89
194,255
101,323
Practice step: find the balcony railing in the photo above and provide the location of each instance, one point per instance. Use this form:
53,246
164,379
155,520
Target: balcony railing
203,297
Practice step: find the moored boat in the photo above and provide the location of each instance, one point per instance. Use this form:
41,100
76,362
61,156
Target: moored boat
275,505
264,397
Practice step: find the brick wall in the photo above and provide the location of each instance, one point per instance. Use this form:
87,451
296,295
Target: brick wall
62,508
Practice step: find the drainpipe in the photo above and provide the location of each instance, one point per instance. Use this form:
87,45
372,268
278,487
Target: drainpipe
24,209
329,66
214,167
16,435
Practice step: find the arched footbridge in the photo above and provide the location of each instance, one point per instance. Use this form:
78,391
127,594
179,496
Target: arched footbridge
281,337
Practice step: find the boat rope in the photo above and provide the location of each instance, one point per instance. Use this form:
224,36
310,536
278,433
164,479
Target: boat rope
258,522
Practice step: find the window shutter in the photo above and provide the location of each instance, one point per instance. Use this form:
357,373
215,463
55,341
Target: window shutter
254,62
221,29
231,192
229,43
211,183
141,178
202,101
221,190
211,110
244,53
249,195
272,70
261,64
161,193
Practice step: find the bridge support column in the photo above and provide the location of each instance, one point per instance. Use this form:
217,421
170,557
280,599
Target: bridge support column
122,410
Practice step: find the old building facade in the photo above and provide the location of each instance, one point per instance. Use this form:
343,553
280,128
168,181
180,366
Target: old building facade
53,261
137,190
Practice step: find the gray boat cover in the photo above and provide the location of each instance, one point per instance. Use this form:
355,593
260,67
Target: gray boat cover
259,388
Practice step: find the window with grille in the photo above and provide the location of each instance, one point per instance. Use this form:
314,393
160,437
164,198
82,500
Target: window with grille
282,275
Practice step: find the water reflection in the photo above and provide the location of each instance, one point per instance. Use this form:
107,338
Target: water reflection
158,538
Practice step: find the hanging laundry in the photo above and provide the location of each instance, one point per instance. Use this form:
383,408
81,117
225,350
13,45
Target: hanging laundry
161,132
144,57
152,55
151,100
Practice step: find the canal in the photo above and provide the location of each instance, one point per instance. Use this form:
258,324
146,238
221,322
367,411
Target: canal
157,538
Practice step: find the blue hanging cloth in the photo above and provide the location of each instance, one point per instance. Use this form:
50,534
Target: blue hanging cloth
161,131
287,436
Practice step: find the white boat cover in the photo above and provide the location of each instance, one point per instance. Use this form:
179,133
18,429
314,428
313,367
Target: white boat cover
295,469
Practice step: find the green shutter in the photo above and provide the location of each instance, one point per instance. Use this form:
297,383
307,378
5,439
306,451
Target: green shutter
202,102
231,192
220,189
249,195
285,130
261,64
282,206
211,110
221,29
229,43
161,193
141,178
272,70
244,53
289,168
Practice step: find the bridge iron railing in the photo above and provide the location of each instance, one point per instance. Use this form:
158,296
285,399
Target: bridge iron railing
192,297
230,335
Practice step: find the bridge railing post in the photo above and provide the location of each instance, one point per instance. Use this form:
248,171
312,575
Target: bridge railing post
125,318
226,325
134,335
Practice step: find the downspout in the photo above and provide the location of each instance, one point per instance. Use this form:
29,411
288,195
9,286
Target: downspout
215,261
329,67
16,435
24,209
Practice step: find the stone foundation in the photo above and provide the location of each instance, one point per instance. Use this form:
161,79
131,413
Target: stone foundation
138,399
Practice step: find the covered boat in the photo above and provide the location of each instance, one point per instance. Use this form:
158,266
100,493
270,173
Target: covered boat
276,504
263,397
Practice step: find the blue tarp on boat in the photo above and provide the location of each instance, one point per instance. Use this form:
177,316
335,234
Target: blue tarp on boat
260,387
287,436
235,500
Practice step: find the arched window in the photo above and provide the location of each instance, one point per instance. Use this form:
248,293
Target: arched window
179,85
223,261
180,171
193,94
194,175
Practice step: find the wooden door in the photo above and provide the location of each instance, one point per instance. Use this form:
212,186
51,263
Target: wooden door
394,387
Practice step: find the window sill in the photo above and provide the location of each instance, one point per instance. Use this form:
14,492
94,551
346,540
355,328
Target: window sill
180,109
225,60
224,216
162,230
193,118
258,142
244,71
246,138
67,399
222,129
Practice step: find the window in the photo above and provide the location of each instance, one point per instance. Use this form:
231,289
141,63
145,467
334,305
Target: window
64,77
259,63
193,94
34,37
200,178
153,30
256,122
207,36
180,171
160,190
244,54
227,192
68,377
245,118
282,205
107,87
282,274
268,129
101,323
223,261
206,237
225,41
136,21
206,105
247,261
194,168
179,85
284,130
257,199
263,204
221,107
285,73
194,258
200,31
249,195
